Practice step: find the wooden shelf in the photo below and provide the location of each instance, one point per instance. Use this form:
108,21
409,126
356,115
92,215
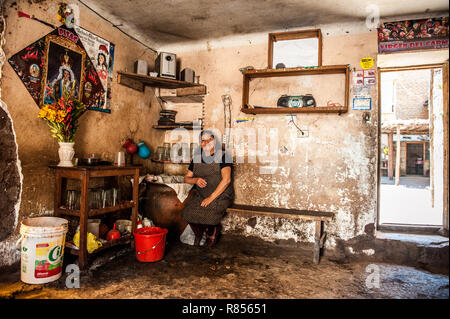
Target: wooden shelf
182,99
327,69
265,73
95,212
291,110
169,162
125,239
171,127
84,174
139,81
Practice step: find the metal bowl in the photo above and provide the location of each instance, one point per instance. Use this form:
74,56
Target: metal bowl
90,161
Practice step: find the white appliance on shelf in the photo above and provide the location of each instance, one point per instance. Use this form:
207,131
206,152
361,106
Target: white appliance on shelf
141,67
166,65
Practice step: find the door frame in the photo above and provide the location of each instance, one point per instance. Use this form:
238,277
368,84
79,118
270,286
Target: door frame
406,228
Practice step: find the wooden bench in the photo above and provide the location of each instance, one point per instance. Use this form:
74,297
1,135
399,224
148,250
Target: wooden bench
317,216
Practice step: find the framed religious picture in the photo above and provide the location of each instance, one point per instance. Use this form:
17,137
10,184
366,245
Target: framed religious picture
63,71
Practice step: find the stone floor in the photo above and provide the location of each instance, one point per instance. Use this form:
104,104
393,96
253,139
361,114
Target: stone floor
237,267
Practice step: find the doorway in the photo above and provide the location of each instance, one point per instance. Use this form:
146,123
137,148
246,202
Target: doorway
411,143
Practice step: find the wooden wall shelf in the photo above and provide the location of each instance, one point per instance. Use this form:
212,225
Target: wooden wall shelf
265,73
183,99
294,110
171,127
140,81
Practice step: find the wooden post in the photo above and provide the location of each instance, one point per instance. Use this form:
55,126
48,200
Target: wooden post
84,210
423,157
391,156
134,213
58,192
317,241
445,79
431,134
397,158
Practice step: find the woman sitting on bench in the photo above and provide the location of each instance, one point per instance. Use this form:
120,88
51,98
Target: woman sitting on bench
213,190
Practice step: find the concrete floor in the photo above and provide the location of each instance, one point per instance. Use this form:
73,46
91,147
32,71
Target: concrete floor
237,267
409,202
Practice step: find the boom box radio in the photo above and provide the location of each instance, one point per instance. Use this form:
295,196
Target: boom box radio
166,65
296,101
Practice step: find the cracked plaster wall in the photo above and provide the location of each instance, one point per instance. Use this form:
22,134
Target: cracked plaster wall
334,169
132,113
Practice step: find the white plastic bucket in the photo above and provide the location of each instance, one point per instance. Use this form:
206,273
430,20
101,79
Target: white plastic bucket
42,249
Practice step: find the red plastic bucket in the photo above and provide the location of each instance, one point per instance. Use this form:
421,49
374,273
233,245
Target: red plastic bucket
150,243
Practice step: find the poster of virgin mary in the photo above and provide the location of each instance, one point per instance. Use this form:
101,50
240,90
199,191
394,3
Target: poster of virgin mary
63,72
57,64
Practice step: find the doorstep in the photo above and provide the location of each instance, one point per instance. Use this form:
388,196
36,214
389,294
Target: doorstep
435,241
429,252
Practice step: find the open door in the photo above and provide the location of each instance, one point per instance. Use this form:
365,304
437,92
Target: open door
445,77
413,148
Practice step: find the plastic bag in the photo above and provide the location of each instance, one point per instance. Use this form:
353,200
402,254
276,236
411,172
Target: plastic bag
92,242
188,237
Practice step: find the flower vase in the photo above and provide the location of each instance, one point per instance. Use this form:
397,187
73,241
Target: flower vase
66,153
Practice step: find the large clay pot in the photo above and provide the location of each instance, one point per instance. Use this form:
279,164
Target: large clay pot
160,203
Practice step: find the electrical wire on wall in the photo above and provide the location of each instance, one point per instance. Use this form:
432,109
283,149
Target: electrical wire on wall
226,99
117,27
159,99
298,128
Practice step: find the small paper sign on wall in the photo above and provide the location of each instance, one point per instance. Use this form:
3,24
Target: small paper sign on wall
361,102
364,77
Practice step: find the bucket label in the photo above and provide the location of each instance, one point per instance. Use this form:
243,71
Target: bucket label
48,259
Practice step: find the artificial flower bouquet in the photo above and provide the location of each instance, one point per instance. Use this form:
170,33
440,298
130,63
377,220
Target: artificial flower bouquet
62,117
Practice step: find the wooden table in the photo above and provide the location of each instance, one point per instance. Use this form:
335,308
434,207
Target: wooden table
84,174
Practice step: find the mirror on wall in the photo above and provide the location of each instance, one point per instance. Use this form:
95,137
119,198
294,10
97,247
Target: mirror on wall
295,48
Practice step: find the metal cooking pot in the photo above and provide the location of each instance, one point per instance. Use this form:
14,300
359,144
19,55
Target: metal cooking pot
90,161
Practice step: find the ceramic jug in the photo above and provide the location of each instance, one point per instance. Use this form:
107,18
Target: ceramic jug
144,151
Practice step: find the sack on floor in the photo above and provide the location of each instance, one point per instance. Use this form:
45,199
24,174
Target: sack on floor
188,237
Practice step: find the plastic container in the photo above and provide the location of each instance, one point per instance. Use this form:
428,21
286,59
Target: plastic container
150,243
123,226
42,249
93,227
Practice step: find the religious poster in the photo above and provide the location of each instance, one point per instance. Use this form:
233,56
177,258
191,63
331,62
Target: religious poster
101,53
63,71
56,64
413,35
